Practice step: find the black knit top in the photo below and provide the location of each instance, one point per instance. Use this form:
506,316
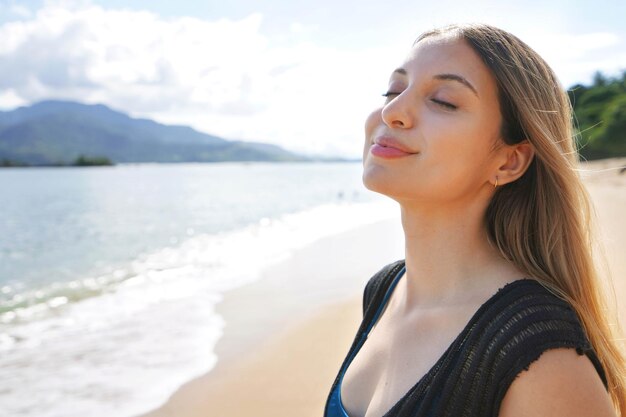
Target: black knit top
505,335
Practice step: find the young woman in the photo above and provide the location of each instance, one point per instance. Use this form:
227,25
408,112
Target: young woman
497,309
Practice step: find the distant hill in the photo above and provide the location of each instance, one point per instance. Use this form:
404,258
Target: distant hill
59,132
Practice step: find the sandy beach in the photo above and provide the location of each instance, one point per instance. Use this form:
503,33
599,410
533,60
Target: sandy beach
287,333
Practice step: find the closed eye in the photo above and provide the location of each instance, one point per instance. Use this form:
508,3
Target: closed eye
444,104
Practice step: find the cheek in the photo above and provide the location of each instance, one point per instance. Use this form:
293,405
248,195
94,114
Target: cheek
372,121
455,153
459,137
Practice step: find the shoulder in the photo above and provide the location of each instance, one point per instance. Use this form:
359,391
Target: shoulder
542,353
527,319
559,383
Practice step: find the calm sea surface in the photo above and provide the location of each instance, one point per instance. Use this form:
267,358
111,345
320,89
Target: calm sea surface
92,259
58,225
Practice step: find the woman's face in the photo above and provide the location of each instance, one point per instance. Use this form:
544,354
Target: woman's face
430,141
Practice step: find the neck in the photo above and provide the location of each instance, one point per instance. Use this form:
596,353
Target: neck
448,256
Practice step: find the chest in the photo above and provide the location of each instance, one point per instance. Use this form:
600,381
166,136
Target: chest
396,355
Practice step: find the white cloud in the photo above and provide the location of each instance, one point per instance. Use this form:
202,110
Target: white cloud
9,100
299,28
224,77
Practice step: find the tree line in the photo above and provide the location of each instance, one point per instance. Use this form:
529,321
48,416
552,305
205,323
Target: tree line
600,116
80,161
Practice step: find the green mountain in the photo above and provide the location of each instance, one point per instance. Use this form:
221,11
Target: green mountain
61,132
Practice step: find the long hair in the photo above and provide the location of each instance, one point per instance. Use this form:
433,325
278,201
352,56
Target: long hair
544,221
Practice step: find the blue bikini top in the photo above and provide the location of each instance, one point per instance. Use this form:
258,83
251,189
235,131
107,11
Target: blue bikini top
335,406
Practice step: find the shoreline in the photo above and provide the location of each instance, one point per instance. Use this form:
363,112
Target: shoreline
294,296
289,375
307,320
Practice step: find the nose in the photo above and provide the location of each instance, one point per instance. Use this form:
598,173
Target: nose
398,112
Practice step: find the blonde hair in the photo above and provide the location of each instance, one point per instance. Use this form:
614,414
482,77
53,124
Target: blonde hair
543,222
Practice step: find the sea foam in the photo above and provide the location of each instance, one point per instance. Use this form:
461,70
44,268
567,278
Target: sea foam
120,344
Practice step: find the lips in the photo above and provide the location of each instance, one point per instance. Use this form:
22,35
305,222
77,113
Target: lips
390,142
389,147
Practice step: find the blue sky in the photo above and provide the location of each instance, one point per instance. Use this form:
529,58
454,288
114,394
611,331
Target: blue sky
302,75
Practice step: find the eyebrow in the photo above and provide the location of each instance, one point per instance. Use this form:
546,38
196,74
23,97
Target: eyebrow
445,77
454,77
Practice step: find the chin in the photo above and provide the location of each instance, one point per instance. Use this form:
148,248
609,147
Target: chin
382,180
376,178
381,187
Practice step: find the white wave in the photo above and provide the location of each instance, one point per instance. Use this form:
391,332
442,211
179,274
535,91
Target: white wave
125,350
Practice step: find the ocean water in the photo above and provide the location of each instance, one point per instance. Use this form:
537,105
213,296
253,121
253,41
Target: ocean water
109,276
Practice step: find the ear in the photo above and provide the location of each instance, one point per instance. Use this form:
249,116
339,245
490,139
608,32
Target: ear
513,160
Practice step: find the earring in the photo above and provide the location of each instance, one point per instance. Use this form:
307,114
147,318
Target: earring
496,184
